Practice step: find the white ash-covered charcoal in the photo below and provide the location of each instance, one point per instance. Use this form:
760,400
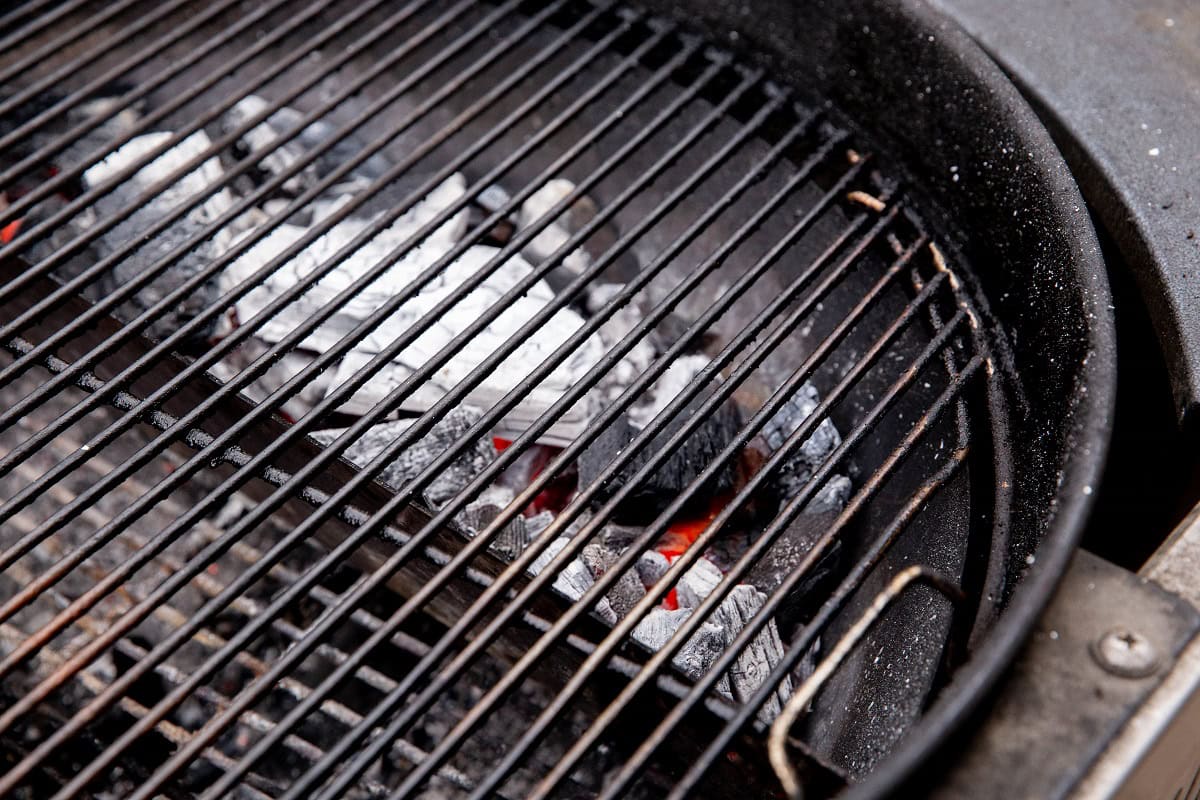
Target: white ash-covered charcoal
574,579
538,522
161,205
277,375
755,663
412,459
361,305
652,495
509,542
619,537
674,380
651,566
628,589
487,203
791,477
696,655
697,583
559,231
264,137
531,348
639,358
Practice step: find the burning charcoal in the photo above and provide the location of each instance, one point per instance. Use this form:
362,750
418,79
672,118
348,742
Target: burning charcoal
538,523
556,234
618,537
697,583
263,138
653,495
651,566
414,458
546,556
482,511
760,657
574,580
695,657
352,268
669,385
533,348
833,496
628,589
132,228
791,476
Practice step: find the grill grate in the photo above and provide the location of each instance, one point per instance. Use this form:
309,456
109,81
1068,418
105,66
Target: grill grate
199,599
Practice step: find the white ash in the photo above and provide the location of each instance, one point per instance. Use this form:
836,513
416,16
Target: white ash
132,228
357,264
574,579
697,583
531,350
538,522
696,655
639,358
416,457
674,380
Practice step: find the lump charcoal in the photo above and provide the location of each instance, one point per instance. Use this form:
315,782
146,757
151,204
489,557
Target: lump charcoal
651,566
791,476
279,373
760,656
558,232
697,583
619,537
350,269
414,458
538,522
482,511
654,493
133,227
784,556
674,380
628,589
697,655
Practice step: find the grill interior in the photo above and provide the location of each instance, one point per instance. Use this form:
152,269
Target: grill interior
200,599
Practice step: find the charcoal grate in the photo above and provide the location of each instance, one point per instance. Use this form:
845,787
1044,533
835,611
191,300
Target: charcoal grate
521,398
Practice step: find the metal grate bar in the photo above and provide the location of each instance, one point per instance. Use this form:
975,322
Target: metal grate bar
58,44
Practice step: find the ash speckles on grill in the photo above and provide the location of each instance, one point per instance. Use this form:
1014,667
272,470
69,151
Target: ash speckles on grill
499,399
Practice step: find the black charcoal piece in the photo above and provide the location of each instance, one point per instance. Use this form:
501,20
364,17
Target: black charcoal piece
785,555
443,436
686,463
508,543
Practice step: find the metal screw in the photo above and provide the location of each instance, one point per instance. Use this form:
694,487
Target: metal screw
1125,653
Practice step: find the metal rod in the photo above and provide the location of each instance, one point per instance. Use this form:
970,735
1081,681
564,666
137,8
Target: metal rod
243,246
667,113
657,527
59,44
777,740
853,374
110,45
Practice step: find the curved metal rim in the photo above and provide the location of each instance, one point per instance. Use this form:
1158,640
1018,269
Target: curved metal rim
1088,436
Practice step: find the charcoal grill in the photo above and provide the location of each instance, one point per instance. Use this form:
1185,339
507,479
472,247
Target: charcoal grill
201,599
